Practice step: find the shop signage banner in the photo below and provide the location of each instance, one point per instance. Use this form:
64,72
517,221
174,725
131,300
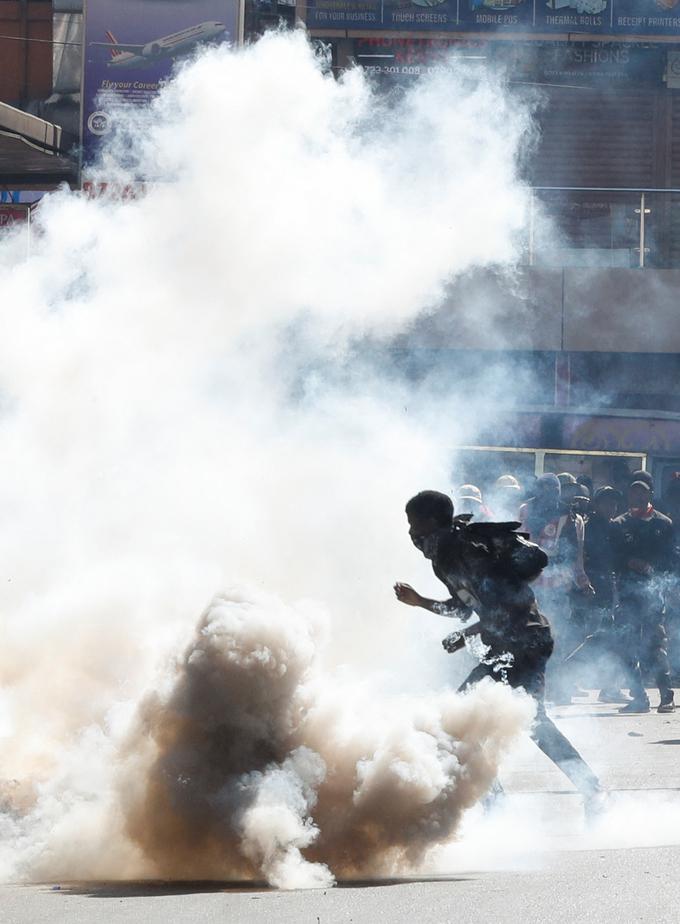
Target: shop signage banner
382,14
131,46
590,16
540,17
412,57
495,15
606,63
647,17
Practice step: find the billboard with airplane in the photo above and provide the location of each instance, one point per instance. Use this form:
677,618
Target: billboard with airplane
131,46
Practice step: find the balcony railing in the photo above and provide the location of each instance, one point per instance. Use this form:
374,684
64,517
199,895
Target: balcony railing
604,227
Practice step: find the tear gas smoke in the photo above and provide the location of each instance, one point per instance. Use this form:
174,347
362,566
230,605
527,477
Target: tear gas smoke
253,742
166,433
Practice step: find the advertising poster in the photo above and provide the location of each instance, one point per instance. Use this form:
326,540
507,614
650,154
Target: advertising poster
343,14
528,17
589,16
647,17
420,14
496,15
131,46
411,15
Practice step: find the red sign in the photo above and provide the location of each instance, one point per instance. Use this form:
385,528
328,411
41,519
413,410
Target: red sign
11,214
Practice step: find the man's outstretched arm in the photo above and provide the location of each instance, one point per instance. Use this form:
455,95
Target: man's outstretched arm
452,608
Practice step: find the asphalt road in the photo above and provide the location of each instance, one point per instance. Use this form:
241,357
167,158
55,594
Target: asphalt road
533,859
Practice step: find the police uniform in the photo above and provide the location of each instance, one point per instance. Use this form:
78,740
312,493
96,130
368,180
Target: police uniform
648,537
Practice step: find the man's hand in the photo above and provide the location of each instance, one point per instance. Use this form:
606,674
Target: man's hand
454,642
640,566
583,583
406,594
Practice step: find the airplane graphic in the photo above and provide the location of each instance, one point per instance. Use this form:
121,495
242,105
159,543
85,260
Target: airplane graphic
124,55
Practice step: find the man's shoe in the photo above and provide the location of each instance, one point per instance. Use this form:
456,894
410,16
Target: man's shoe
666,707
635,706
613,696
494,797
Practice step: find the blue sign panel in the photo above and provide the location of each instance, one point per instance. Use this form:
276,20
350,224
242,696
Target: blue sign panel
496,15
540,17
586,16
647,17
383,14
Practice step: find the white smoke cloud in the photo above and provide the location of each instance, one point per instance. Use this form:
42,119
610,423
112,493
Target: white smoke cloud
167,431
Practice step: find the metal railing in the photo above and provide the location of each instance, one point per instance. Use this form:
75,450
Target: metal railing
603,226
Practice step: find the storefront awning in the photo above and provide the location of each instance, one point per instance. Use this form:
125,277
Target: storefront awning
33,152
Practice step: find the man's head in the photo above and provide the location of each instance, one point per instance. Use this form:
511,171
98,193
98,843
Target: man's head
427,513
573,492
505,496
639,495
645,477
548,489
507,488
566,478
468,499
508,483
587,482
606,502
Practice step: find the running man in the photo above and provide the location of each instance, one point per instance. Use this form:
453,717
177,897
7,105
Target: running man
487,568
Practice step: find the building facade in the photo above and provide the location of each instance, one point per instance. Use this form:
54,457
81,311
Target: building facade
592,321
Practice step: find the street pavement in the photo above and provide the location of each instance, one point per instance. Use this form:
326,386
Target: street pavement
532,858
